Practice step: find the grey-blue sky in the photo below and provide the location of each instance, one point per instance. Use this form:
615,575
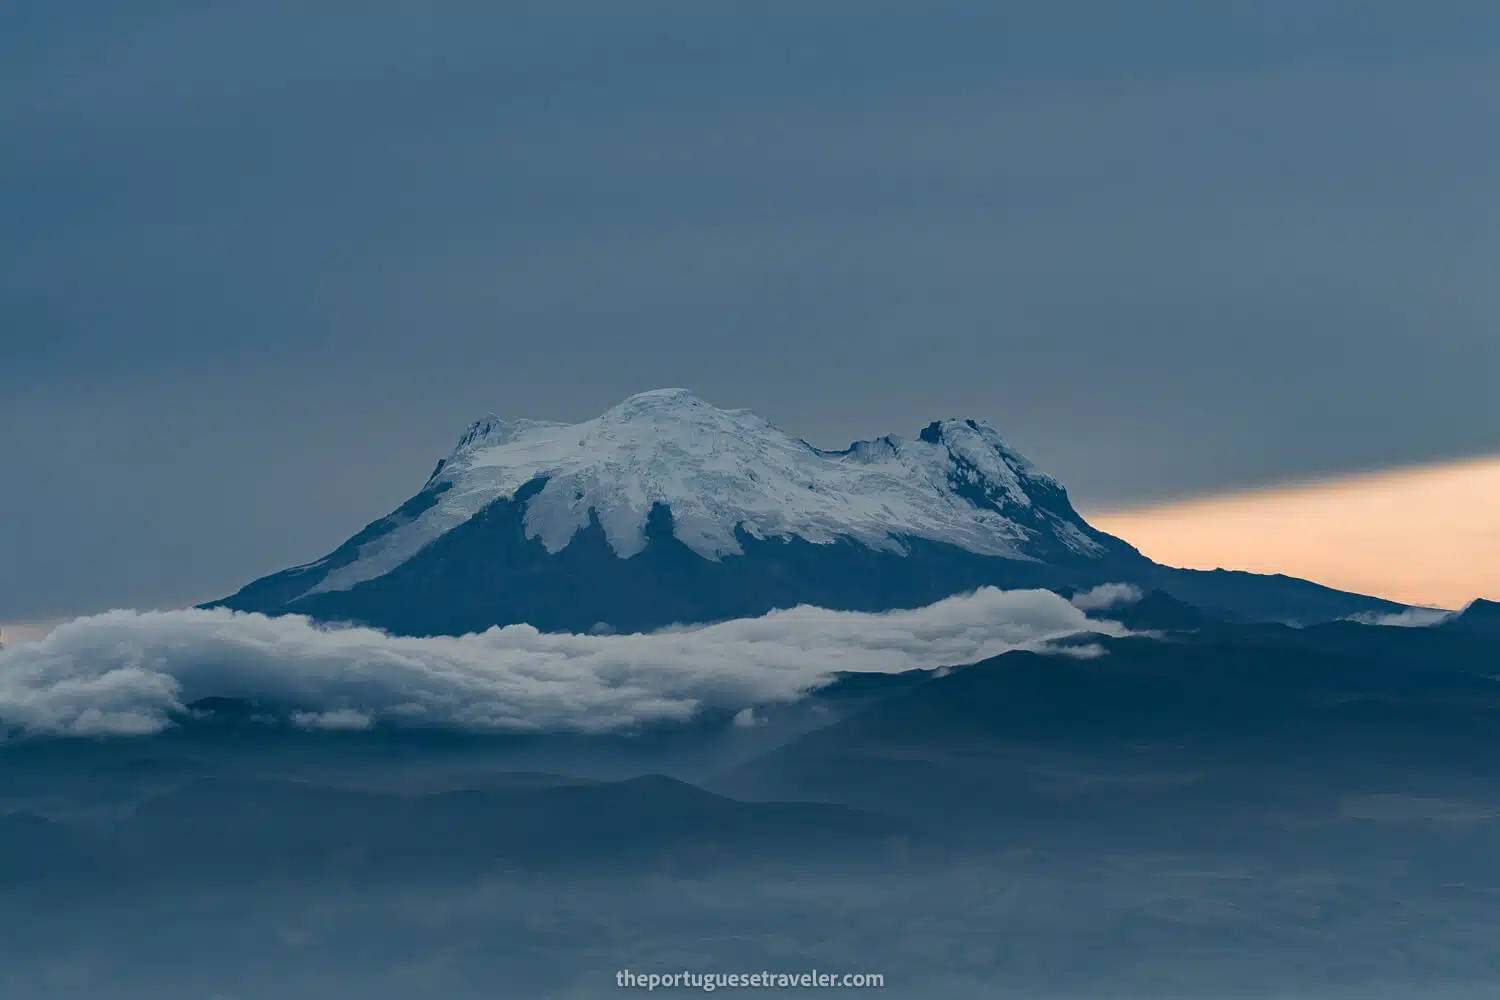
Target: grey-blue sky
260,262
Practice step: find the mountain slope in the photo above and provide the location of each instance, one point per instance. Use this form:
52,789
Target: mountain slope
1223,732
665,509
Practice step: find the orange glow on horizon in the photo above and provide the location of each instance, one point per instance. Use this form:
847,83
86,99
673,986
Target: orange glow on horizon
1428,535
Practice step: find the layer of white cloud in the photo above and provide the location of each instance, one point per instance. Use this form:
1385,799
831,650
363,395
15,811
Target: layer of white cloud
127,672
1407,618
1106,596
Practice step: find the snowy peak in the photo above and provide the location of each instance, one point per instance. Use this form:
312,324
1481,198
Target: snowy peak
677,405
983,459
726,474
666,510
489,431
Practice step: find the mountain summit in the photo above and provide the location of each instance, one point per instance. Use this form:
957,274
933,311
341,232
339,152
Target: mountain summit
665,509
724,474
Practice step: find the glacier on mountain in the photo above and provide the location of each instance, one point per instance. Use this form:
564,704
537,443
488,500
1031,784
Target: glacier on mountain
726,472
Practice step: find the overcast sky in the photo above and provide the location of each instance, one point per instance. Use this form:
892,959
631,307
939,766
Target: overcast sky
260,262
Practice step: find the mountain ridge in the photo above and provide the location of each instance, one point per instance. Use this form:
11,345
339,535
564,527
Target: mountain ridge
666,510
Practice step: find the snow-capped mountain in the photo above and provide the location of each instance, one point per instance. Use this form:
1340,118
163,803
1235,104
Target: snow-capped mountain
723,473
665,509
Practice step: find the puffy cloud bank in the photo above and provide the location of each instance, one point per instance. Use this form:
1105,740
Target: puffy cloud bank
1105,596
128,672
